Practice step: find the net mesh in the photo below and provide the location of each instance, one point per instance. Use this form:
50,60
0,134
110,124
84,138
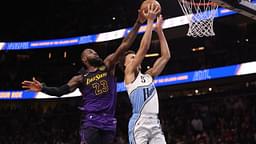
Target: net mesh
200,14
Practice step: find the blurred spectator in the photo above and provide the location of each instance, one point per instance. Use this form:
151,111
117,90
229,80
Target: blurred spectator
197,123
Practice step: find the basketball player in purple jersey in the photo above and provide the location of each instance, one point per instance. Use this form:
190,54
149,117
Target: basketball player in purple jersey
97,83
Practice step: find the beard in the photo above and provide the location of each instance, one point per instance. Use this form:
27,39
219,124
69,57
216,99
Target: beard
96,62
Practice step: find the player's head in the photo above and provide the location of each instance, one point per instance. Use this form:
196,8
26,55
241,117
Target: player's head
91,57
127,59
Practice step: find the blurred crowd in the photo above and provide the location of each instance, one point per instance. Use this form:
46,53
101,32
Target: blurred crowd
222,120
38,124
185,120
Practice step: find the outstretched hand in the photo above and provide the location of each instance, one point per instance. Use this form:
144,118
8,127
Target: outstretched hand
159,23
32,85
152,12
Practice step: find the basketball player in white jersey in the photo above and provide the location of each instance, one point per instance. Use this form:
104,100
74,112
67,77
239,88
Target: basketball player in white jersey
144,125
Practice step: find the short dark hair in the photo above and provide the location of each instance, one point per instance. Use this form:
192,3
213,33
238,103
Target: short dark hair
122,59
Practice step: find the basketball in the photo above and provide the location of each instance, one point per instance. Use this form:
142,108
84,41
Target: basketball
144,5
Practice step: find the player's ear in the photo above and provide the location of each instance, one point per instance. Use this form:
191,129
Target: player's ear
84,59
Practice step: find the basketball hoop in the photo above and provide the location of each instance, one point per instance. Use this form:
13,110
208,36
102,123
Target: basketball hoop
200,14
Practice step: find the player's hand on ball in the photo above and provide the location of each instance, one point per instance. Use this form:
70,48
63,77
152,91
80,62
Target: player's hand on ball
146,3
151,12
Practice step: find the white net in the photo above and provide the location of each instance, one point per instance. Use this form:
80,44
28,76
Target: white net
200,14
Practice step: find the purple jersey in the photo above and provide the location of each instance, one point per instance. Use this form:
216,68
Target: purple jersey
99,99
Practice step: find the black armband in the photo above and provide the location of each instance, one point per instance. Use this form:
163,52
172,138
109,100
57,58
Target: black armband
56,91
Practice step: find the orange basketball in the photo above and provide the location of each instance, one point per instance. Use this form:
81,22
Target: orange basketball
144,5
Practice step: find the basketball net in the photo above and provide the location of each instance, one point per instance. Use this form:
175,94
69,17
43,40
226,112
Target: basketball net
200,14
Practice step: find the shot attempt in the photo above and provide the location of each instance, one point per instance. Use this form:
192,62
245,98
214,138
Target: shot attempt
144,125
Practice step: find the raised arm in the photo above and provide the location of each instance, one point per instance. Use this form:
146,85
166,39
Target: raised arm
161,62
113,58
145,42
36,86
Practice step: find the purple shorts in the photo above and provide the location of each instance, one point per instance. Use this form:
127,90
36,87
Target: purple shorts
92,135
97,128
102,121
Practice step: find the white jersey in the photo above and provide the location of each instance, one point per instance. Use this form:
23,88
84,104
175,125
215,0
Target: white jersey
143,95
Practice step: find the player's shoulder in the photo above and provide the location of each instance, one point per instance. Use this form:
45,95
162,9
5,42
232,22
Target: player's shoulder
103,68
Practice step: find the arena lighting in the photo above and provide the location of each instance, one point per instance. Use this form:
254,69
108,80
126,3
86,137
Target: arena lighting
65,54
198,49
163,80
152,55
95,38
49,55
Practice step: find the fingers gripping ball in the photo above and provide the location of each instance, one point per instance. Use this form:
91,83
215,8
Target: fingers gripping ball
146,3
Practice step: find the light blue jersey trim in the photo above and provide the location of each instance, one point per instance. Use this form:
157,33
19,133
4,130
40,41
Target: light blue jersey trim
131,130
140,96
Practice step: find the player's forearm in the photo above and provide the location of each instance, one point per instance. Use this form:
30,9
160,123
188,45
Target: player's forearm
165,51
146,39
144,46
125,45
129,39
56,91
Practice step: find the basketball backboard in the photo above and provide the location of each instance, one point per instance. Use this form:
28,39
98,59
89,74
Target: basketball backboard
244,7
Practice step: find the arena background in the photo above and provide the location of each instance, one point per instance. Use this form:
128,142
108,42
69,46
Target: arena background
221,102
